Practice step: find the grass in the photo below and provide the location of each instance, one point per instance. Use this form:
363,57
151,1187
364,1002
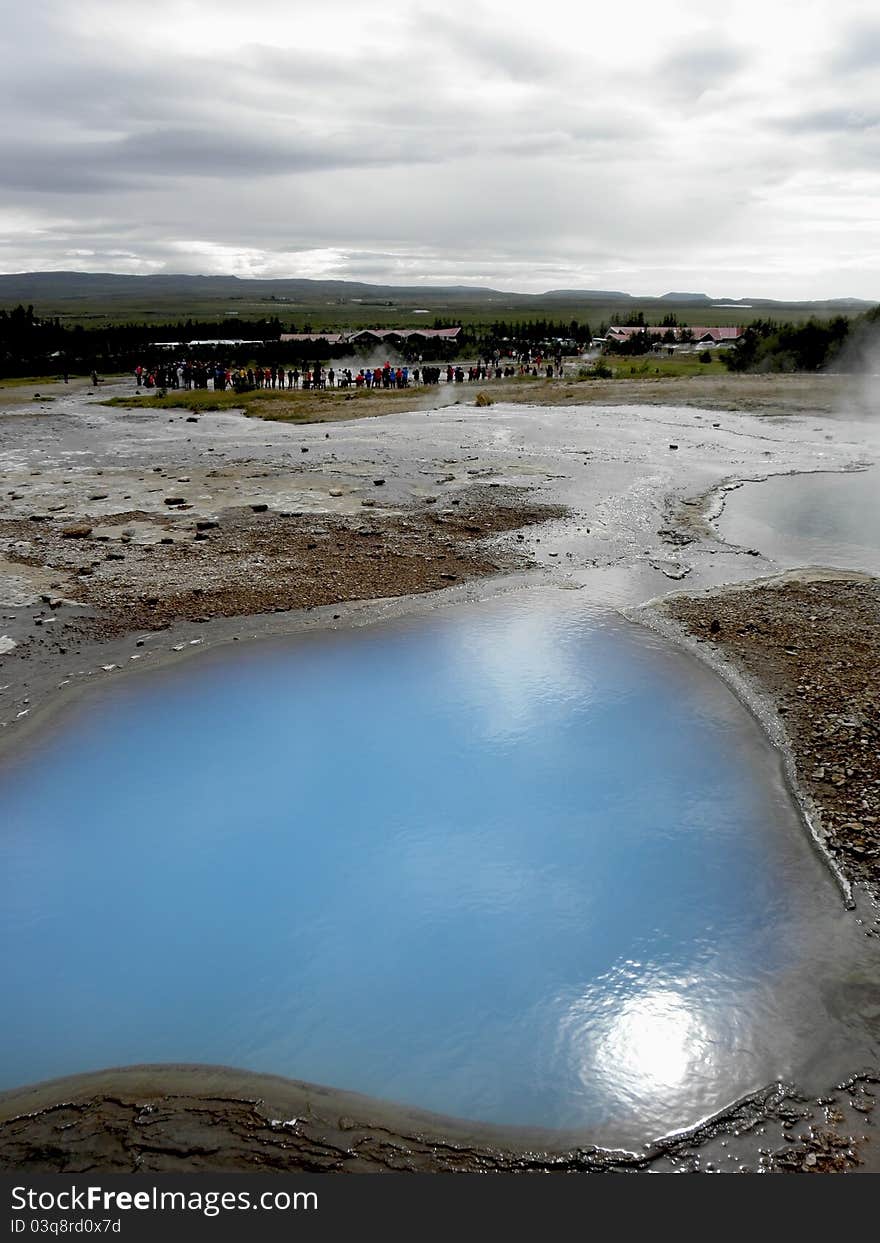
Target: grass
27,381
297,406
663,365
658,380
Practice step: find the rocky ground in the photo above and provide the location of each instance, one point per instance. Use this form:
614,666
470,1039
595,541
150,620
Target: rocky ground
146,571
207,1119
812,645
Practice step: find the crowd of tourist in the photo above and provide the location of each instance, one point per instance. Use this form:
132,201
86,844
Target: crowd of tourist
194,375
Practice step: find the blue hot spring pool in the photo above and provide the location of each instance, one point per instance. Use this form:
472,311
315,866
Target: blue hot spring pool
518,862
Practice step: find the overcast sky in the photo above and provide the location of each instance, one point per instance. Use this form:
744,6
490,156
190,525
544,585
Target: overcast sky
732,149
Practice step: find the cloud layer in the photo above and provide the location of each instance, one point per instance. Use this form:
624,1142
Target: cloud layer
643,147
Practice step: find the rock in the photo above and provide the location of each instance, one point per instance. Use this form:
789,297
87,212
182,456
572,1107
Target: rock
673,446
336,492
259,509
714,626
672,569
79,530
191,418
99,496
303,449
369,504
378,482
175,500
207,524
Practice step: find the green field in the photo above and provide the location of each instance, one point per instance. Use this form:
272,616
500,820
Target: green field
341,316
93,299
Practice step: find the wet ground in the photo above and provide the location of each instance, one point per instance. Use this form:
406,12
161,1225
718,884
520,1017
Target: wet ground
639,484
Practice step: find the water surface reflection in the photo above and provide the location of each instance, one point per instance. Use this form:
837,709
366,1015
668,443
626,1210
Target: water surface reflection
517,862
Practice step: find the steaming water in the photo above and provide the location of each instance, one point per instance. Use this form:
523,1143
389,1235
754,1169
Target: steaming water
515,862
822,519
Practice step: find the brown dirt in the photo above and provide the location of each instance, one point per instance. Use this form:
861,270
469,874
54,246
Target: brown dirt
260,562
814,647
167,1119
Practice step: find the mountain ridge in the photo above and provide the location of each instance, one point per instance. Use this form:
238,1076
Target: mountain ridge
75,283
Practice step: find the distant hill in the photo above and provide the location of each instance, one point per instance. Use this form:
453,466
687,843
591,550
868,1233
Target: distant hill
112,297
579,295
54,285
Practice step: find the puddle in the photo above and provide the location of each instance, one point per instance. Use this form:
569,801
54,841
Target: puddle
830,519
517,862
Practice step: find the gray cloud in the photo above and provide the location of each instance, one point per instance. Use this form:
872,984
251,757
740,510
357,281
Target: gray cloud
858,49
830,121
701,67
490,46
503,144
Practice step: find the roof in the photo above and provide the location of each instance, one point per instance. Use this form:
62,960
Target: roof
332,338
625,331
632,330
383,334
725,333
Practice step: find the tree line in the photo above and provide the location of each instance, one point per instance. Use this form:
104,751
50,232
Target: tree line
818,345
34,345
